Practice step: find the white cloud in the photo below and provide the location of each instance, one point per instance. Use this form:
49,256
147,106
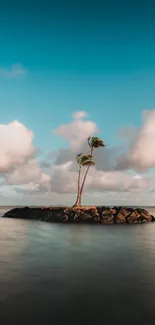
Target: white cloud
141,152
24,174
42,184
64,180
31,176
77,131
15,71
100,188
16,143
79,115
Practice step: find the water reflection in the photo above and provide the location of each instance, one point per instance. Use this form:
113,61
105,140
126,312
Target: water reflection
76,273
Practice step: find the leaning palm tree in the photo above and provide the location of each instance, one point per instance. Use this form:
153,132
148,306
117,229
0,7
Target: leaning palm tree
86,160
82,160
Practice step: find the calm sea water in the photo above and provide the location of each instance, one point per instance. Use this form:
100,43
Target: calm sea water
76,274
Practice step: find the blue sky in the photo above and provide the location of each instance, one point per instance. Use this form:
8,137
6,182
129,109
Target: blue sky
96,56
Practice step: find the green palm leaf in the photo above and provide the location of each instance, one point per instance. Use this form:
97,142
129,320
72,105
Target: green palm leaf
95,142
88,163
85,160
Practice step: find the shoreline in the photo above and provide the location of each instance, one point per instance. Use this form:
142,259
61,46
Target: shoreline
84,214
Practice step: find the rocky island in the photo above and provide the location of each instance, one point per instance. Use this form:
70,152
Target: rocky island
83,214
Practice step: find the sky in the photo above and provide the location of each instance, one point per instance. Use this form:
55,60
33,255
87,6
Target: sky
70,70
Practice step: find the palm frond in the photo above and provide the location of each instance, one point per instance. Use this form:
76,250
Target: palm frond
95,142
87,160
88,163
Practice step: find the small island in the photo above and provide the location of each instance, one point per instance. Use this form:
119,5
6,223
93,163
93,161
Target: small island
83,214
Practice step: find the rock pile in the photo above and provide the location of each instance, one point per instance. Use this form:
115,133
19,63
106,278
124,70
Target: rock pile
88,214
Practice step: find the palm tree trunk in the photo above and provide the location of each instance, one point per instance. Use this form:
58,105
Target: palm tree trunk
82,186
83,183
78,194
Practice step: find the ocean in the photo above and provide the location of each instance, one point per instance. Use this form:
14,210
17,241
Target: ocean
76,274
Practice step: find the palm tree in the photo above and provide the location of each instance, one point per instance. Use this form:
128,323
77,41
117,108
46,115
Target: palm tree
82,160
86,160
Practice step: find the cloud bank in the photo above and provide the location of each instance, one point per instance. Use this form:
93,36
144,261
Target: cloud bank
115,174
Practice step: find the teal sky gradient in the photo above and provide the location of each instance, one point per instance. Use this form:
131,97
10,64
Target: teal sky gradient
95,56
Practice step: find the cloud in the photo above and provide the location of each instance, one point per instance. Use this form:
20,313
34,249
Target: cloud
64,180
42,185
15,71
79,114
111,174
16,143
76,134
77,131
45,164
128,133
105,176
140,155
105,159
31,176
25,174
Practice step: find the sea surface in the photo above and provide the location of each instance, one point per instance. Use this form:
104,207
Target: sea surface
76,274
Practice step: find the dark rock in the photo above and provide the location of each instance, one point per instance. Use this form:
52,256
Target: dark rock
95,215
120,218
100,209
144,214
107,212
121,215
89,216
64,218
103,215
152,218
107,219
72,216
85,217
130,209
116,209
133,217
